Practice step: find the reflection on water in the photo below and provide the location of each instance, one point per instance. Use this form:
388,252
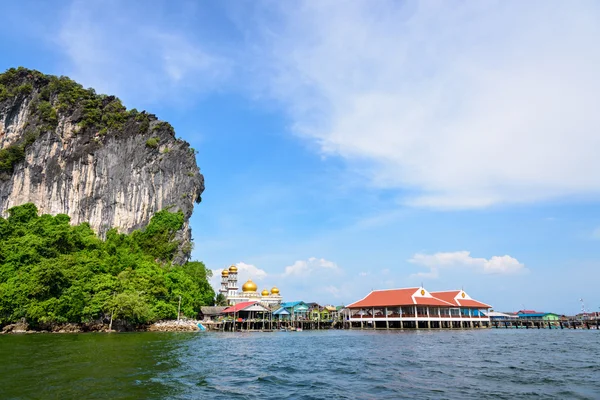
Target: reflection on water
303,365
88,366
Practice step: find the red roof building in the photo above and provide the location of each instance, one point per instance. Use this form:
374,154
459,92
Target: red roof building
247,309
238,307
418,308
245,306
459,298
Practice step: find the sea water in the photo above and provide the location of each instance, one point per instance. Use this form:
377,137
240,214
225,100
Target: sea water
469,364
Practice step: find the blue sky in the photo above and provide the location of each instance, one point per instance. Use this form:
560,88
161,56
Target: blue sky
352,145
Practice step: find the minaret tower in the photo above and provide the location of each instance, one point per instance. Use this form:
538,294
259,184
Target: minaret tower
232,286
224,282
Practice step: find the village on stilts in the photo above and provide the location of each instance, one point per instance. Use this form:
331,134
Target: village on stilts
388,309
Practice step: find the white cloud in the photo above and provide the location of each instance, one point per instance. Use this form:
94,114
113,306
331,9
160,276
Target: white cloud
245,272
305,268
333,291
464,105
135,52
501,265
296,280
389,283
434,273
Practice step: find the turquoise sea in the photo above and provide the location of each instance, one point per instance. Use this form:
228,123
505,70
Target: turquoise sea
478,364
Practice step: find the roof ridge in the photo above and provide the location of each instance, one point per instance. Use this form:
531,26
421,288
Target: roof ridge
446,291
358,301
447,302
406,288
476,301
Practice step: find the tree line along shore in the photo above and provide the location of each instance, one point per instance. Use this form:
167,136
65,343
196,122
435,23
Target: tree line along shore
57,277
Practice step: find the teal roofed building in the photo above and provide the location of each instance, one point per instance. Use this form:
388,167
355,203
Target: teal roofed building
298,310
542,316
281,314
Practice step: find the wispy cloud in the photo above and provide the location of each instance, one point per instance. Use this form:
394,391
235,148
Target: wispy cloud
307,268
457,260
134,51
461,106
333,291
466,105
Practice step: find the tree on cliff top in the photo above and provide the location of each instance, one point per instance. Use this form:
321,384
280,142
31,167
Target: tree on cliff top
53,272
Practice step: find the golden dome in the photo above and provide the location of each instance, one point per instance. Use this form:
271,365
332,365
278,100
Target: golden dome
274,290
224,273
265,292
249,286
233,268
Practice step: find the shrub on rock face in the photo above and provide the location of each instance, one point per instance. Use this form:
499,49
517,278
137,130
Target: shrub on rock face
152,142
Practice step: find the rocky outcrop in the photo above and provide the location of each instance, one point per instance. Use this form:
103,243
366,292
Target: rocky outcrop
68,150
174,326
19,327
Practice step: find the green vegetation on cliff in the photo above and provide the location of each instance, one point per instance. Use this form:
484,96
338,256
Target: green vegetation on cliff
52,272
52,97
55,95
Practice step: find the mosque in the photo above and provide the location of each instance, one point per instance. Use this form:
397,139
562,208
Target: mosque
229,288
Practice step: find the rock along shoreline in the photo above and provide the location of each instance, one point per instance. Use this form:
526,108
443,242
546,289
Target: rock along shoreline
160,326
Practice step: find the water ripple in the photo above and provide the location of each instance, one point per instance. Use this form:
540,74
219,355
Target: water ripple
486,364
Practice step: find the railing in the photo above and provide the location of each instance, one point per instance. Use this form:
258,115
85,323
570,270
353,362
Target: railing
369,316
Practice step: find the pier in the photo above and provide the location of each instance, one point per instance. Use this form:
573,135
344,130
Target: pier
257,325
344,322
524,323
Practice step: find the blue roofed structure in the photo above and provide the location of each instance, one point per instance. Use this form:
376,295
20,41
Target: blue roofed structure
539,315
281,314
298,310
289,304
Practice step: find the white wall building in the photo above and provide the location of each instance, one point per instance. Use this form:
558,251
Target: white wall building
229,288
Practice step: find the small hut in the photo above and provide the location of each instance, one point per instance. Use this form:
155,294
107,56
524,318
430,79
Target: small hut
248,310
281,314
210,313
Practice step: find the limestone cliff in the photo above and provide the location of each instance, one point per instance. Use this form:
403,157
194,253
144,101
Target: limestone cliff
71,151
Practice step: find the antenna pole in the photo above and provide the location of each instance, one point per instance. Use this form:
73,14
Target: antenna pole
179,308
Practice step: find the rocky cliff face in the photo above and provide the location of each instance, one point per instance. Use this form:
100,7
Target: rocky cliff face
71,151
